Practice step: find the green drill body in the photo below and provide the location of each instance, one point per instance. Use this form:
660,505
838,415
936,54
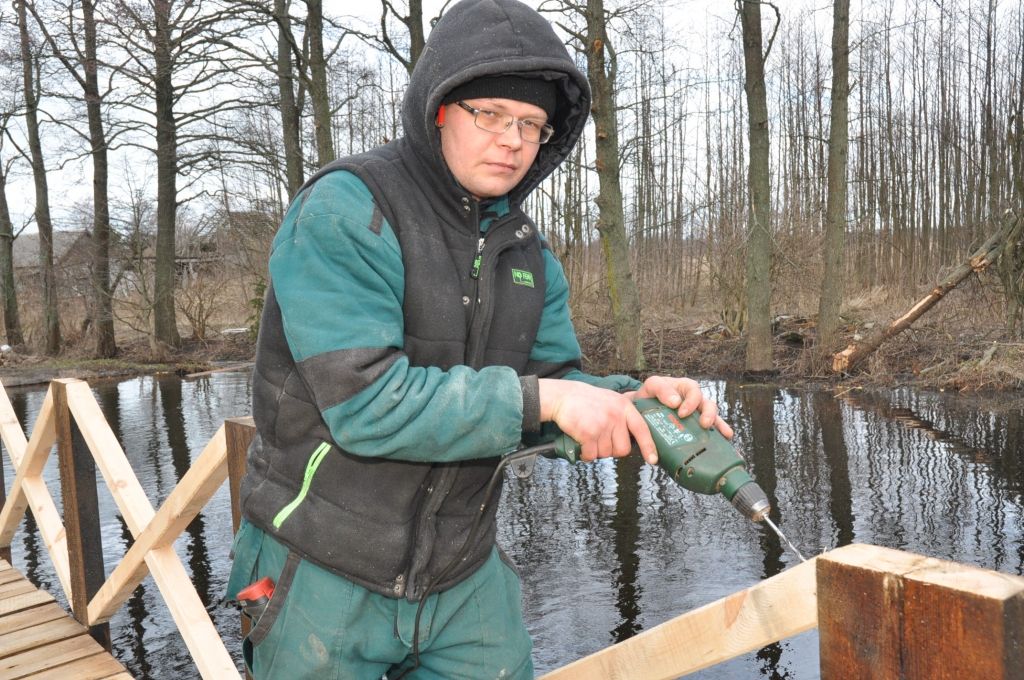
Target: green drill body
697,459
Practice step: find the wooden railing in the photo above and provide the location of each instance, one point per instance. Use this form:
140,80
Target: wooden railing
71,419
881,613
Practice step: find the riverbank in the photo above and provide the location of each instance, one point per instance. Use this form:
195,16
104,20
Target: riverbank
972,359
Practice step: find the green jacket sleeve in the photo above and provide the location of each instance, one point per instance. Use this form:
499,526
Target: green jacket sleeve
340,286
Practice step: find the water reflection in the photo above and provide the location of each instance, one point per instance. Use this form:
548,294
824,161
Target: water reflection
610,549
626,524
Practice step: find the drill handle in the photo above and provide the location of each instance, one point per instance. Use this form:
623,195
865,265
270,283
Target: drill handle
566,448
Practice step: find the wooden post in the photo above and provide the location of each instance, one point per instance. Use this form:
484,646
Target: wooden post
5,550
885,614
239,433
81,513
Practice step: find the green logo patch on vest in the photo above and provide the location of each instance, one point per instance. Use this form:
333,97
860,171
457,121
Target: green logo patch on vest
521,277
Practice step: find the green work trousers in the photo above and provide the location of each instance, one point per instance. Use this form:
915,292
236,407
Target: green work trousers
321,625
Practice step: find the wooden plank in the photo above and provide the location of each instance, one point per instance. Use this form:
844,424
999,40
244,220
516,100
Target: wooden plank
886,614
81,513
189,496
40,635
17,603
9,575
34,616
188,612
960,622
124,486
29,460
88,668
13,588
51,656
10,429
775,608
51,526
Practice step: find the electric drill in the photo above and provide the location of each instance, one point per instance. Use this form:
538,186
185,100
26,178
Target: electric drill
700,460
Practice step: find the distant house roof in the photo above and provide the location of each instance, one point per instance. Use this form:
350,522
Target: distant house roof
65,244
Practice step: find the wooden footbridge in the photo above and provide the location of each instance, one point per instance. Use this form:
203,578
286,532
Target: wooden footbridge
881,614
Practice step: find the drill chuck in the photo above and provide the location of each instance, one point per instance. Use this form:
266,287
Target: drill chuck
751,502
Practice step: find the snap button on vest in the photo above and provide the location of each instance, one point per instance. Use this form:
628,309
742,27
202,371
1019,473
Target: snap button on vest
465,299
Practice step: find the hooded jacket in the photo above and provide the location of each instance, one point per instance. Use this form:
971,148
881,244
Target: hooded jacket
404,330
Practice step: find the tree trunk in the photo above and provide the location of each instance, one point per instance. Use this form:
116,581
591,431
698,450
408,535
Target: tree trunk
165,326
12,324
51,314
832,289
318,91
984,256
622,291
417,40
759,238
290,123
105,346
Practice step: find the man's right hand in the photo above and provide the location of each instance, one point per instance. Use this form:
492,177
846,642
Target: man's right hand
604,422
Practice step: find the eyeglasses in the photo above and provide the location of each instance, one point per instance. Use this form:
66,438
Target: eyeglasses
530,130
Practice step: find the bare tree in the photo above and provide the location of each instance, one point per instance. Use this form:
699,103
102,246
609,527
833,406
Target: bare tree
80,60
602,70
12,323
179,50
412,20
759,239
832,283
30,66
290,111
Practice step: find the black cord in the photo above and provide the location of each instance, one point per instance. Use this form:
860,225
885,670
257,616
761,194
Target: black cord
461,555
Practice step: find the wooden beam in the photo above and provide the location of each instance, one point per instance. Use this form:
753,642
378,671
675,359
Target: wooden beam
124,486
962,622
239,433
51,526
767,612
886,614
190,495
31,459
187,610
81,514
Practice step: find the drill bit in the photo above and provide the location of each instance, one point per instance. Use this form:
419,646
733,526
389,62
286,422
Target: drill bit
784,539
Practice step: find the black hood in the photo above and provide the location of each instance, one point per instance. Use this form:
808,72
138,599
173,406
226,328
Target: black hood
490,37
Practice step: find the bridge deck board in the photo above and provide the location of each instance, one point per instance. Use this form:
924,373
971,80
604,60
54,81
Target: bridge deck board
39,640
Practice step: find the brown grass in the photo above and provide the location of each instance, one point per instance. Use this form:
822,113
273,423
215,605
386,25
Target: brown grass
960,344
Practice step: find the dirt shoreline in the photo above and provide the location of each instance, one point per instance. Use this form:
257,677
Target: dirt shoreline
927,358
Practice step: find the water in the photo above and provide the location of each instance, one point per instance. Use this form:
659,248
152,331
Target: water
612,548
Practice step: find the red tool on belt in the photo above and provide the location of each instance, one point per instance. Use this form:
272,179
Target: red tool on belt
255,597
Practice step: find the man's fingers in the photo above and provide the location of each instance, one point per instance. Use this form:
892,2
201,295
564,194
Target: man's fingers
642,434
724,428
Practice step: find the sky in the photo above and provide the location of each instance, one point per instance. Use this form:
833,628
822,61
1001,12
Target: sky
697,22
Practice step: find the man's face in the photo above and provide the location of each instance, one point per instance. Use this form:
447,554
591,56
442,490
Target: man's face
486,164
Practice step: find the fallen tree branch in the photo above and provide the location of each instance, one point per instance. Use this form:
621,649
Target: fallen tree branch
982,258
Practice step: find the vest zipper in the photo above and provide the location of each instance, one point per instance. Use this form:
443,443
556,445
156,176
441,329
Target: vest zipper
312,464
474,273
483,302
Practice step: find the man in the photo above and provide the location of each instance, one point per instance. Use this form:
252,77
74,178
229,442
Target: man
416,329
